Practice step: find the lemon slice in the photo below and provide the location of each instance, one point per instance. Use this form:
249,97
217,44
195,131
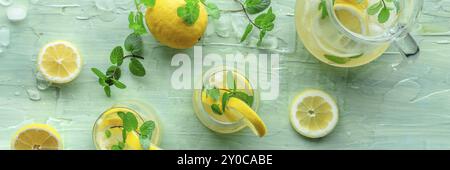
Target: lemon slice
254,121
360,5
352,17
313,113
59,62
36,137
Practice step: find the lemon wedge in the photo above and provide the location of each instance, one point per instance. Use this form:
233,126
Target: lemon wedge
313,113
36,137
59,62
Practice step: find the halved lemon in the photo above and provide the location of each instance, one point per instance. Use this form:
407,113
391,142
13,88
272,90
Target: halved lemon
59,62
36,137
313,113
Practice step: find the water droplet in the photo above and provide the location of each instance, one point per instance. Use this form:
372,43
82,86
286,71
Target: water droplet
33,94
107,16
105,5
41,82
17,93
4,36
5,2
405,90
16,13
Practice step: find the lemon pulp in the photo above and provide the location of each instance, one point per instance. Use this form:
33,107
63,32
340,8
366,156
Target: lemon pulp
313,113
59,62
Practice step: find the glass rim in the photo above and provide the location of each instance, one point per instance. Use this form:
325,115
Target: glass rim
392,34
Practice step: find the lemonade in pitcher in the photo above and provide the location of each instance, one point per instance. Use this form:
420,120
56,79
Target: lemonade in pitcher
334,31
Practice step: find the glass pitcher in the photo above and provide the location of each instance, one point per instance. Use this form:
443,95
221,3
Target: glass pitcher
350,33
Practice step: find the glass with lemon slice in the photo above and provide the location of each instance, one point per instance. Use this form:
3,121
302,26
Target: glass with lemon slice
228,102
108,128
350,33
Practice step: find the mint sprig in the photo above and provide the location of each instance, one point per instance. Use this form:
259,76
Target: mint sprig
264,21
130,124
230,92
133,45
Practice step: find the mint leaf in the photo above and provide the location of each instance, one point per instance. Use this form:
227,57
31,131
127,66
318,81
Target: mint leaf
116,56
102,82
134,44
136,22
129,121
265,21
190,12
244,97
107,90
98,73
136,68
384,15
147,128
216,109
247,32
213,10
214,93
256,6
323,8
119,84
119,146
375,8
225,98
114,72
108,134
149,3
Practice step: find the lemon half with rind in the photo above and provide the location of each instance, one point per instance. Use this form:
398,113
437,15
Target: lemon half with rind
37,137
313,113
59,62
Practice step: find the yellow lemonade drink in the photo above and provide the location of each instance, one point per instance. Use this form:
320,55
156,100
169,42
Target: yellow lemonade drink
228,102
322,32
109,127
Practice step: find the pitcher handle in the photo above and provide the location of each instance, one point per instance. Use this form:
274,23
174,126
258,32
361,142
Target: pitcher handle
408,47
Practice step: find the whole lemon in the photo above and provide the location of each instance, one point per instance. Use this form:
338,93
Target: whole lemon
167,27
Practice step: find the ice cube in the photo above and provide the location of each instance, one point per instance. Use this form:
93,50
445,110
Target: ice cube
16,13
4,36
5,2
105,5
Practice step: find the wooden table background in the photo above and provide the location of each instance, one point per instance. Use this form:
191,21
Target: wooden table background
381,106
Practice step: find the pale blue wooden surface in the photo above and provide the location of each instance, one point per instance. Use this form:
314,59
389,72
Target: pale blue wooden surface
381,107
